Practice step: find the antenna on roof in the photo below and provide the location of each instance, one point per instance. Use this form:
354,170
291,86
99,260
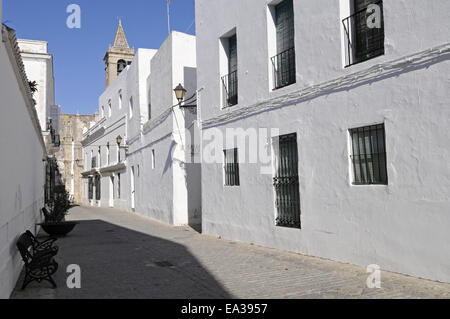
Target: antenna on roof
168,14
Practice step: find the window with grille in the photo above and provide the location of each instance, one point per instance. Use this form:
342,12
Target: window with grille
369,155
284,62
364,38
230,81
286,182
231,167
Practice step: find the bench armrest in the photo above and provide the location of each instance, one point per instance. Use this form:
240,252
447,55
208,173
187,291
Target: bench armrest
46,244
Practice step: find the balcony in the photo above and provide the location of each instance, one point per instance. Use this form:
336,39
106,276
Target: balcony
283,65
230,89
364,35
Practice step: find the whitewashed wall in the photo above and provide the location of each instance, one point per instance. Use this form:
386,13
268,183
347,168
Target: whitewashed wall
21,169
162,192
39,67
402,227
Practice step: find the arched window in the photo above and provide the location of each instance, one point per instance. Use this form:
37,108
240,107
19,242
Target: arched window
121,65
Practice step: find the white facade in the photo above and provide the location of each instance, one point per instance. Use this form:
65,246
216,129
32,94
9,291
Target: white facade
22,169
167,182
153,168
402,226
39,67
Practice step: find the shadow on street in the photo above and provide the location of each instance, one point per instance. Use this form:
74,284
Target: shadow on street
117,262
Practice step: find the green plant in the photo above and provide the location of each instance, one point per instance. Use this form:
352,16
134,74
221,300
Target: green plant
33,86
60,204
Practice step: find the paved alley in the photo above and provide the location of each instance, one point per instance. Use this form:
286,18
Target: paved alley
123,255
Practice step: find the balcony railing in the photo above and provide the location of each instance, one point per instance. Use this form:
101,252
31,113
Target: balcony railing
230,89
364,39
284,68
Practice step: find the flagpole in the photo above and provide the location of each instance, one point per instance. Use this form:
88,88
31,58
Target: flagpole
168,15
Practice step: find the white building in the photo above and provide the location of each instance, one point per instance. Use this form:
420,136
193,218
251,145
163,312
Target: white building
166,180
22,169
359,95
39,68
151,176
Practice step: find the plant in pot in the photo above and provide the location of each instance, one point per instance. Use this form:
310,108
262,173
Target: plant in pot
55,223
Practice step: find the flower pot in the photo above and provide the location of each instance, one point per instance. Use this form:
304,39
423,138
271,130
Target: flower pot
58,229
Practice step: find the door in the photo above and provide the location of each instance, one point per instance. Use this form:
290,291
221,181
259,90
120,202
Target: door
286,182
133,189
111,191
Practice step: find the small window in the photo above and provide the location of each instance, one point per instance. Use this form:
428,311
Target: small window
121,65
149,111
109,108
231,167
153,159
369,155
120,100
103,111
131,108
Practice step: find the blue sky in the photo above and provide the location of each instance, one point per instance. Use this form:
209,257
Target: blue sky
78,53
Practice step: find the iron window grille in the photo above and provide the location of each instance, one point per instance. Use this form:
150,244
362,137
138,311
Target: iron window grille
230,81
369,155
286,183
231,167
284,62
230,89
284,69
363,42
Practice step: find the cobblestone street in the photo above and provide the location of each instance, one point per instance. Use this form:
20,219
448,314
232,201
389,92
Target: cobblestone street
122,255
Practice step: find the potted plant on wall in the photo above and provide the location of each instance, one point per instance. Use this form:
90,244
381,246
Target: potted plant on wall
55,223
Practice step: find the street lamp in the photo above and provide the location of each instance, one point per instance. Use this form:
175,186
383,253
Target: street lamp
119,141
180,92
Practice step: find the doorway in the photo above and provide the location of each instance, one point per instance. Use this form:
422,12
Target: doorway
111,191
133,190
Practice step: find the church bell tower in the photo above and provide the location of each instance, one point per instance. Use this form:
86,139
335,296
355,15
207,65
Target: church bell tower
119,55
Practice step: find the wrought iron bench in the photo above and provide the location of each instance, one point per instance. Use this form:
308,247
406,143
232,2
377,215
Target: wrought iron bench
39,263
43,246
